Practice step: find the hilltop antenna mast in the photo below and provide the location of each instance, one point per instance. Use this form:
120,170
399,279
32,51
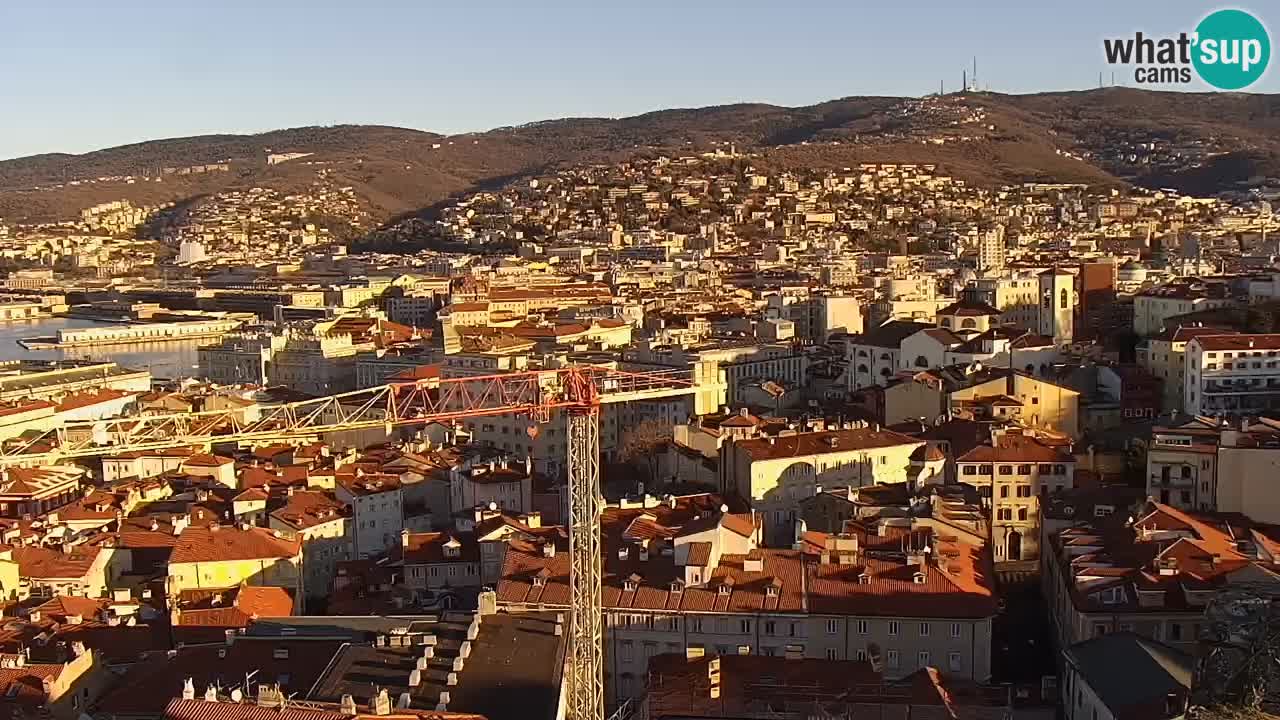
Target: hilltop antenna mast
975,73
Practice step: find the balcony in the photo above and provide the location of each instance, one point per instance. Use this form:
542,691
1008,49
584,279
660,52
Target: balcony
1174,482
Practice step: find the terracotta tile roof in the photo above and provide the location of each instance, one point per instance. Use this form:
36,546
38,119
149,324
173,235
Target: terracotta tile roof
430,548
1165,551
957,584
207,460
86,399
821,443
305,509
25,685
1013,448
222,543
60,607
244,604
1239,342
49,564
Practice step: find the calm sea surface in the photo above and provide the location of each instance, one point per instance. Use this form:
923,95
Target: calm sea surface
166,359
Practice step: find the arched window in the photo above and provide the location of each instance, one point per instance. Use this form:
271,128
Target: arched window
1031,369
862,353
885,356
862,368
886,372
1186,472
968,323
1062,299
946,322
922,361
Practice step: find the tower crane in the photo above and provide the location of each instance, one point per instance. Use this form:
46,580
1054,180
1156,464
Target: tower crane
578,390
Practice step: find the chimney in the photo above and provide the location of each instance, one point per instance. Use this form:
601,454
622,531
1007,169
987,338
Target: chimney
211,693
487,603
188,689
348,706
443,705
415,678
382,703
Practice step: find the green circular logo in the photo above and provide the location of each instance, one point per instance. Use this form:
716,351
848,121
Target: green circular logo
1231,49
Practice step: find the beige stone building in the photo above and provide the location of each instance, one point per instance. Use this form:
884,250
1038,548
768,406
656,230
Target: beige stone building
1014,471
775,473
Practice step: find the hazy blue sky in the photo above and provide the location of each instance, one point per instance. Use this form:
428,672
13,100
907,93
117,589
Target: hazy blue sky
84,74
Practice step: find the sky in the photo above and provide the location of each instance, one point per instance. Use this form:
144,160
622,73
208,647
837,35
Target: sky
78,75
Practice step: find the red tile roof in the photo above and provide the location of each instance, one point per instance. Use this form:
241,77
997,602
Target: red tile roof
1013,448
222,543
819,443
1239,342
958,584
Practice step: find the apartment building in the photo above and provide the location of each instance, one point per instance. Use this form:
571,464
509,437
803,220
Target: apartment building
1152,574
323,527
494,483
1015,296
1182,465
1013,473
776,473
1164,356
1232,375
1153,308
223,556
875,356
377,508
682,575
437,560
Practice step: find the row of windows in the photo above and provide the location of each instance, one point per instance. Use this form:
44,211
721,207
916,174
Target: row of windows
892,657
773,628
1043,469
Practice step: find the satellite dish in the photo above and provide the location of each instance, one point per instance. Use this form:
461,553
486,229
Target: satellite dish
236,695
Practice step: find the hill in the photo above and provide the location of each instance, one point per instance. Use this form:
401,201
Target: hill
1196,142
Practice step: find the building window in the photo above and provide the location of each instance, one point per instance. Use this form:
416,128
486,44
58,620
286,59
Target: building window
955,630
1006,469
833,654
953,661
924,629
891,659
893,627
862,627
922,658
833,627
